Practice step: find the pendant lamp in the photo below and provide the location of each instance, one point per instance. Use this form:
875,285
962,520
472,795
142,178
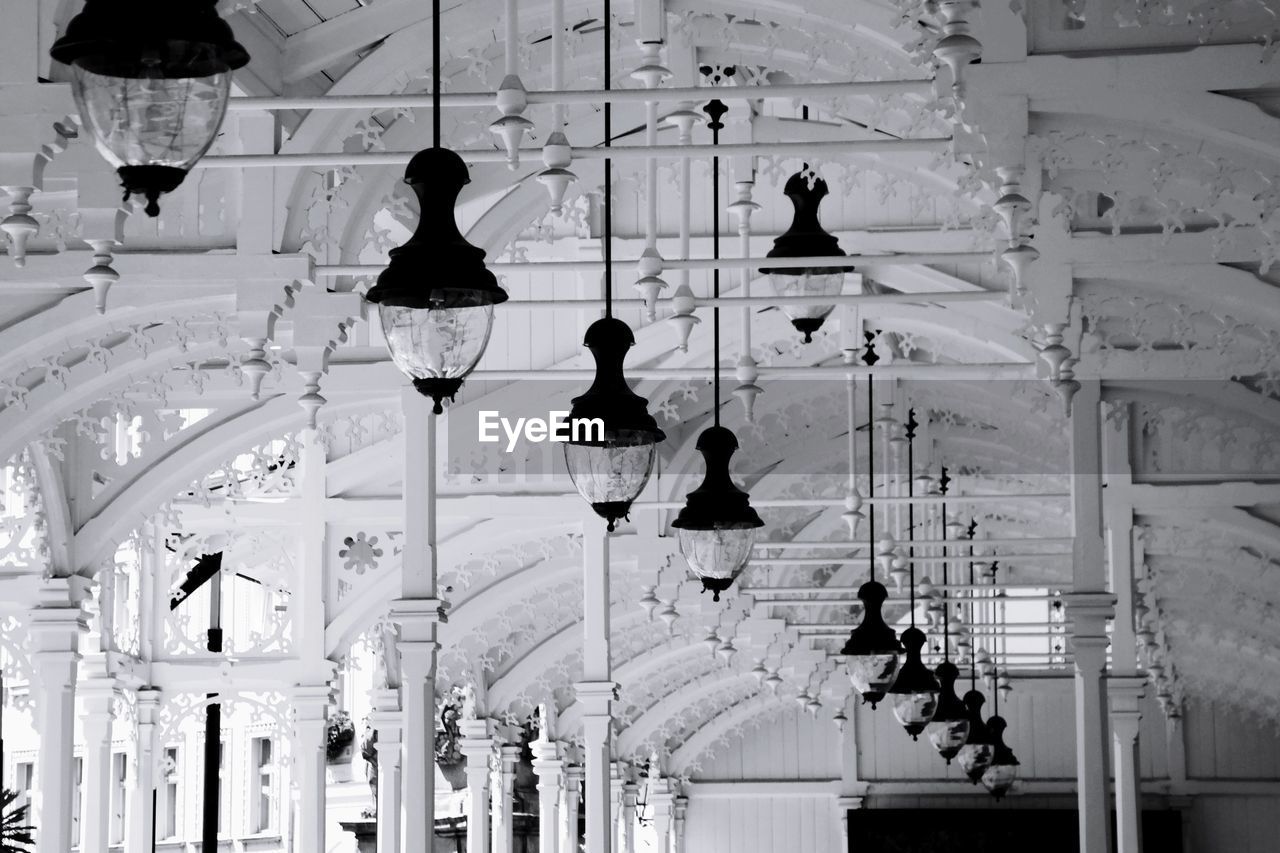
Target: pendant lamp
806,238
151,79
611,470
948,731
873,652
976,754
1002,772
717,526
915,691
435,298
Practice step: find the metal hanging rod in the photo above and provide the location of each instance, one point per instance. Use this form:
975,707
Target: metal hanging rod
878,499
951,587
904,259
812,91
853,602
862,561
846,544
948,297
932,145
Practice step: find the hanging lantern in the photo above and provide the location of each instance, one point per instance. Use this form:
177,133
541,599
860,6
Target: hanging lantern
806,238
949,729
976,754
915,690
611,470
717,526
151,82
873,651
435,298
1002,772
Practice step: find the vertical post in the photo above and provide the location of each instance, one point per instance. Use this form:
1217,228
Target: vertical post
97,700
663,800
503,819
1125,687
681,813
55,626
417,612
1126,694
388,723
310,716
615,804
140,807
597,690
549,768
477,747
571,840
1090,606
630,795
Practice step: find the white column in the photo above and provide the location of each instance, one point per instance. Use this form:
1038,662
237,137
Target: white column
630,795
387,722
140,804
503,838
1089,606
97,700
663,800
615,804
597,690
681,812
477,746
549,768
570,841
310,722
55,628
417,612
1126,694
1089,647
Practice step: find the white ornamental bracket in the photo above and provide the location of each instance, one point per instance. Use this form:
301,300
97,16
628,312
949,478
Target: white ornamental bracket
259,304
39,123
320,323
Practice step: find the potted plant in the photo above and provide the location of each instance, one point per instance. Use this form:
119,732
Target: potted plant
340,746
15,835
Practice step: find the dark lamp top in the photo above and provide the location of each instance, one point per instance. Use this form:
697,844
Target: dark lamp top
624,412
1002,754
806,237
978,733
914,676
717,504
950,708
150,38
872,636
437,268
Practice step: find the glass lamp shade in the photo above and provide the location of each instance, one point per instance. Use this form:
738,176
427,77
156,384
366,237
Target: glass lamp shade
915,691
435,298
873,653
151,86
717,526
976,754
611,465
806,238
807,318
1002,772
436,346
948,731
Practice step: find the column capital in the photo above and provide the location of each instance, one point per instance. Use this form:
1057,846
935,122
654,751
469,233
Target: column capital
847,803
681,806
1090,606
1125,693
311,701
596,696
416,614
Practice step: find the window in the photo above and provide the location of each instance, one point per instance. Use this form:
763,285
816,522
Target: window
77,775
25,774
167,820
119,770
263,786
